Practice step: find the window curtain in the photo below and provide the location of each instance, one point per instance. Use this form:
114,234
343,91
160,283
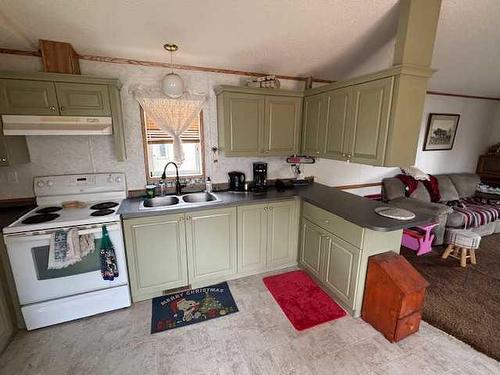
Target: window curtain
174,116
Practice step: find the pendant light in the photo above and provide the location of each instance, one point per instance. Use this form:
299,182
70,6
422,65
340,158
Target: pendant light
172,85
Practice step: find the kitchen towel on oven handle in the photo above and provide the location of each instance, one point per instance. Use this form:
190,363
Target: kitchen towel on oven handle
109,267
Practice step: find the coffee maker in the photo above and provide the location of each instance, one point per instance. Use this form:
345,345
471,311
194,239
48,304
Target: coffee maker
260,176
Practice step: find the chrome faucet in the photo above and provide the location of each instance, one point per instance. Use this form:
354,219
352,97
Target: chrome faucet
178,186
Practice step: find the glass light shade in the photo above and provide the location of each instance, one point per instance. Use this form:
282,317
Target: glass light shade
173,85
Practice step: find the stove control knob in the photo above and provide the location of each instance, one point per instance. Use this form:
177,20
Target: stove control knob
50,183
110,179
40,184
118,179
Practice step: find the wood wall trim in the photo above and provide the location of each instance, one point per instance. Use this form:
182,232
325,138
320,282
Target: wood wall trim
119,60
358,186
462,95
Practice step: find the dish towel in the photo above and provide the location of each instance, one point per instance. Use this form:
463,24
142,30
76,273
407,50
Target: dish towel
67,248
109,267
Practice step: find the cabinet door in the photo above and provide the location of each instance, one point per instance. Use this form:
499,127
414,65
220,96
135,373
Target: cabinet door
282,125
156,253
282,234
80,99
315,112
243,123
6,323
341,269
13,150
252,233
211,243
24,97
311,247
369,121
336,130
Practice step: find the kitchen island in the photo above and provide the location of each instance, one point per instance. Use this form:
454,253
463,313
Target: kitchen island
326,231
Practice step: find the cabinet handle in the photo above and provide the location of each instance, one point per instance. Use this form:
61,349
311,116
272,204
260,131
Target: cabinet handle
52,108
327,221
3,160
266,208
317,152
349,156
270,208
62,109
266,152
344,155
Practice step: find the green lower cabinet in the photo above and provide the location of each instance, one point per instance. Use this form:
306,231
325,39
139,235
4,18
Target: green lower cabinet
211,245
311,248
252,233
156,254
267,236
335,252
341,268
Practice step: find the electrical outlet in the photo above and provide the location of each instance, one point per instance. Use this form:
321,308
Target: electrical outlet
12,177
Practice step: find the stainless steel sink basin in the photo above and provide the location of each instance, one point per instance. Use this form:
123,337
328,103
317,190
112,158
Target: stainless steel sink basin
198,197
161,201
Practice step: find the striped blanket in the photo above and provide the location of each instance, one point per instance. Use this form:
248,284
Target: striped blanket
476,211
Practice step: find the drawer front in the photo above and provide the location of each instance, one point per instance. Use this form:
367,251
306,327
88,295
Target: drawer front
411,303
334,224
407,326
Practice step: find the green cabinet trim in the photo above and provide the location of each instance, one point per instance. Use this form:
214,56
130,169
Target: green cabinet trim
258,122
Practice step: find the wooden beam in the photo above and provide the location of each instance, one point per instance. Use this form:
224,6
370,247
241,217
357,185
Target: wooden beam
418,20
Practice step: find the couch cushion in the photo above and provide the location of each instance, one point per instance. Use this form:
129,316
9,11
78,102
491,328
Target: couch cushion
447,189
455,220
392,188
465,183
421,193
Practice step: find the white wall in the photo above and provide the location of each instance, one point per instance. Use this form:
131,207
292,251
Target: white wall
477,119
495,129
84,154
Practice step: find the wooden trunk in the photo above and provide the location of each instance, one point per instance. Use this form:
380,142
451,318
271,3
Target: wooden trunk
394,296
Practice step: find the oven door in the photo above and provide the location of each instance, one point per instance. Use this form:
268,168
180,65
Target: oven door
28,255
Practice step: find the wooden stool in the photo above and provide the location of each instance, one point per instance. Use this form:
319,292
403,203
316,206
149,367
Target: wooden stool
462,245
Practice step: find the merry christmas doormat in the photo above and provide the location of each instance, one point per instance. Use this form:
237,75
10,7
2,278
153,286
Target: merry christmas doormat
192,306
302,300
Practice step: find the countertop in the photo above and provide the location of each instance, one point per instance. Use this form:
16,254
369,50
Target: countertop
353,208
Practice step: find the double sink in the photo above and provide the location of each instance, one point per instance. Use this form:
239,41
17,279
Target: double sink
179,201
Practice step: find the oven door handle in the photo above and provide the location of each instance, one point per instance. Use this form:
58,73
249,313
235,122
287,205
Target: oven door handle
82,230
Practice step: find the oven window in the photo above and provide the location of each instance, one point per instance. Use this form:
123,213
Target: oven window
90,263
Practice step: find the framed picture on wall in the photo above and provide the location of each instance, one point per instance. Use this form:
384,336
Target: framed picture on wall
441,131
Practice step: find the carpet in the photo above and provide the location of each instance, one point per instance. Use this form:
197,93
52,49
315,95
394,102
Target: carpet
191,306
464,302
302,300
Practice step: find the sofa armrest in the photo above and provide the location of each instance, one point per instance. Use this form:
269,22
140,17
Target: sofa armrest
416,205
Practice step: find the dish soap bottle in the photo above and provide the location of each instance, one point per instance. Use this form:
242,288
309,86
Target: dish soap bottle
208,185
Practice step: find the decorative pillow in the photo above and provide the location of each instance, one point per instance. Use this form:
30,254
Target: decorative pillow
416,173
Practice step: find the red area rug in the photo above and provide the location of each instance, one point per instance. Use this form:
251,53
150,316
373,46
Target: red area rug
302,300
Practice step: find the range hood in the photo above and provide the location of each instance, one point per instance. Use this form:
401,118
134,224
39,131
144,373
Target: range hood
56,125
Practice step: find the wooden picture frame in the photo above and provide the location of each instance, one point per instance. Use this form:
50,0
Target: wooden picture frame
441,131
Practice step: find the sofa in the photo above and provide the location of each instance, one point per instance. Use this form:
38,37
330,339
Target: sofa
451,187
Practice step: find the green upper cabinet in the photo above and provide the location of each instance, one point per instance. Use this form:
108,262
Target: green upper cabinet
242,132
56,94
282,125
258,122
371,105
77,99
336,137
314,124
24,97
13,150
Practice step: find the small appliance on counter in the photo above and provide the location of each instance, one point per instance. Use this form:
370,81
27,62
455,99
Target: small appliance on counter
236,181
296,165
259,176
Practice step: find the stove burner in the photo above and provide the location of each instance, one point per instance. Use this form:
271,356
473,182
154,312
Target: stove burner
36,219
102,212
48,210
103,206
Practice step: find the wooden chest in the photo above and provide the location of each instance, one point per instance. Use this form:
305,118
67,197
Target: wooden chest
394,296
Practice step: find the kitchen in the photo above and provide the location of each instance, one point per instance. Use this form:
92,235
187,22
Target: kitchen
251,208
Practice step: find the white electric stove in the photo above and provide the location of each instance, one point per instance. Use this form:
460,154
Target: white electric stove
51,296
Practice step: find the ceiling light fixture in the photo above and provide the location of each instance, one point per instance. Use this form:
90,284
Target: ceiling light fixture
172,85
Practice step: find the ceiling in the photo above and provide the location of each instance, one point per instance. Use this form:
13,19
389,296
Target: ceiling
330,39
